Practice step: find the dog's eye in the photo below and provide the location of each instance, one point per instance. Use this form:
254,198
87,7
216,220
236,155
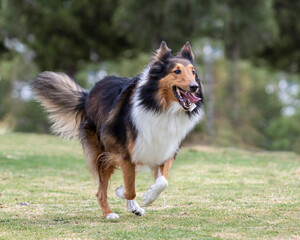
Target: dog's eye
194,72
177,71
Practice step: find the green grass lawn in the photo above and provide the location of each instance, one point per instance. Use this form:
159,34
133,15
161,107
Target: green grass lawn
213,193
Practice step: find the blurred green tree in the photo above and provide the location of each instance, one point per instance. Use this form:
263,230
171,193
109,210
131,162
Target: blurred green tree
249,27
64,34
146,23
284,52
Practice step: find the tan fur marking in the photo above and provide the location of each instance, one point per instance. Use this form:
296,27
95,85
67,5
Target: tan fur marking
102,165
114,112
183,80
166,167
110,144
91,150
102,192
131,142
128,169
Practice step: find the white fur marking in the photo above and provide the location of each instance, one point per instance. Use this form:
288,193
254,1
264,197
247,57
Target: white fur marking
135,208
158,173
144,76
159,134
112,216
132,205
154,191
120,192
192,107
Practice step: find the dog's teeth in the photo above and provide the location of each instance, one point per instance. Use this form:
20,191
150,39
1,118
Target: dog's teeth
192,107
178,92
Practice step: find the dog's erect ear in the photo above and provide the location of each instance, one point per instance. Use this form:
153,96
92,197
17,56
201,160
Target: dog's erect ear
163,53
186,52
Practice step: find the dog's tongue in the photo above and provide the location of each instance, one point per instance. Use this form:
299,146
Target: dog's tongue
191,97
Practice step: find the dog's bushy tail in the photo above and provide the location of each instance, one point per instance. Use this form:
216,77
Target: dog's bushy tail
63,99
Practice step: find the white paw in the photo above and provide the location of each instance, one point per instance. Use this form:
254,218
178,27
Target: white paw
154,191
134,207
120,192
112,216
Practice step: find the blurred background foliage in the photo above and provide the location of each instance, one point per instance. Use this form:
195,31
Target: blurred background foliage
247,54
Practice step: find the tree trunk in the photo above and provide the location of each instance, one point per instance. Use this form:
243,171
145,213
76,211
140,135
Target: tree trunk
232,48
210,100
233,83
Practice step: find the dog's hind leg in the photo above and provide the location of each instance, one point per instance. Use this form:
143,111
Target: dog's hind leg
161,183
104,176
100,165
128,192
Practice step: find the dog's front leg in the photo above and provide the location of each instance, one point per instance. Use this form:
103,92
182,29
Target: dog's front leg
161,183
128,192
128,169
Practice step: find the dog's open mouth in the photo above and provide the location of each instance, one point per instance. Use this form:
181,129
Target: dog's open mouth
186,99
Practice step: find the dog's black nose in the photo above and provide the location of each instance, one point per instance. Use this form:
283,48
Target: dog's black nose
194,88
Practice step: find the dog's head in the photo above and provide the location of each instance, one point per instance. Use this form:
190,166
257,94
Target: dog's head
176,77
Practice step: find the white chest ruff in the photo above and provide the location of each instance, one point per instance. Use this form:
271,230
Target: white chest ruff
159,135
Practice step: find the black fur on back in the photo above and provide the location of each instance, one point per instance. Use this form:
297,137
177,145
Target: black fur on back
112,96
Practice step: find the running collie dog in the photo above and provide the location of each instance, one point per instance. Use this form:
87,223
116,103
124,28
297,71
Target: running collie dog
127,122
